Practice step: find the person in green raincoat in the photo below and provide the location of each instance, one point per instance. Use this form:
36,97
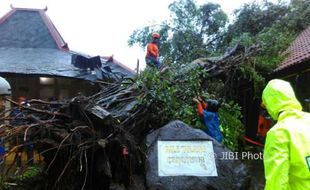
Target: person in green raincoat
287,148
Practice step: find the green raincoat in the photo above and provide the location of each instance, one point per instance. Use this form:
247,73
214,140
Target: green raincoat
287,149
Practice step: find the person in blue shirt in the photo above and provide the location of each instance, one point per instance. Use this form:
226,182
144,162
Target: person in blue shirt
208,111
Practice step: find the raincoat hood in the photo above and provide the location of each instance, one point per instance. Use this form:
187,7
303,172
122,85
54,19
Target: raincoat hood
279,96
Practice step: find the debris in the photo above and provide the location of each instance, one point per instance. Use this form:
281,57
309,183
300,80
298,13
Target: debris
92,142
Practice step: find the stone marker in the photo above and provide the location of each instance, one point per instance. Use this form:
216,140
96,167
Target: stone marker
231,173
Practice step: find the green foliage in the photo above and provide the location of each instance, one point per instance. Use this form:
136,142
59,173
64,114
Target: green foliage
29,173
271,27
273,41
170,94
18,181
254,17
189,35
173,100
231,126
296,19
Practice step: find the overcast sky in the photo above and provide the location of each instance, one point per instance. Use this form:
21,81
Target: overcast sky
102,27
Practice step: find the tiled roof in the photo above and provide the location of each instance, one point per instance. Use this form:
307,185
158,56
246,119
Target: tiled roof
31,44
39,61
120,65
48,62
299,51
29,28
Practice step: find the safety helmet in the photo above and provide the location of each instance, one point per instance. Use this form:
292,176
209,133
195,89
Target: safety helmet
213,105
155,35
5,88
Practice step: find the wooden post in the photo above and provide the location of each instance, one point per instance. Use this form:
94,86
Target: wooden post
138,64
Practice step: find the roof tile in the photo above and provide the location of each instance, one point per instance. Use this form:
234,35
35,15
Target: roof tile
299,51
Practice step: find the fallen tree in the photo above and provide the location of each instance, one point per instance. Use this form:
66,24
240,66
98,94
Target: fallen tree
92,142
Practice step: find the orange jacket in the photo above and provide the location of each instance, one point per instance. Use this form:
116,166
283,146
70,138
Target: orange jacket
264,125
152,50
200,107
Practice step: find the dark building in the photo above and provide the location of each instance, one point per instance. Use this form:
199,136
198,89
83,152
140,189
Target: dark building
37,62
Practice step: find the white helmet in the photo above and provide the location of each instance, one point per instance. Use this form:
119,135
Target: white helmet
5,87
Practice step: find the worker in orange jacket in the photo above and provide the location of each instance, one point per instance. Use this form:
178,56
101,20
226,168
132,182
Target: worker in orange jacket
152,51
264,124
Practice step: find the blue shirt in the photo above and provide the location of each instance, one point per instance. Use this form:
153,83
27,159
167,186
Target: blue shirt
212,123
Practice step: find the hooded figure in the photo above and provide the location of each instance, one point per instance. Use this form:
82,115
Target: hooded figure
287,148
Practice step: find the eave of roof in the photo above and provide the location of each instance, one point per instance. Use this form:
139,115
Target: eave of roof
119,64
299,51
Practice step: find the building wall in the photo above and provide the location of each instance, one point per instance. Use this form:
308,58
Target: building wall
300,82
34,87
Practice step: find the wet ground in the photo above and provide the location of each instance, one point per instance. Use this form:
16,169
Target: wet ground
256,170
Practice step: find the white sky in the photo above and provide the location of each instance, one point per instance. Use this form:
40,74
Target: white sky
102,27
